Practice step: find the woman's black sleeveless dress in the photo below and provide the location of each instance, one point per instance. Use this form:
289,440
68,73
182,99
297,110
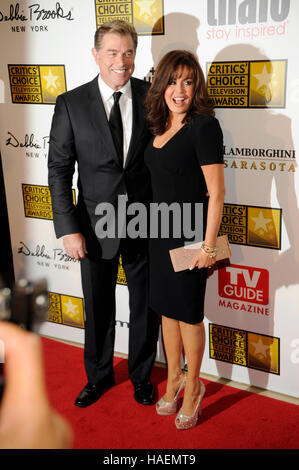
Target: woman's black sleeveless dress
177,177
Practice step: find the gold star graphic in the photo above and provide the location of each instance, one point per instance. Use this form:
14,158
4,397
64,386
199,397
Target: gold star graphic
264,78
51,80
145,7
70,307
261,348
261,222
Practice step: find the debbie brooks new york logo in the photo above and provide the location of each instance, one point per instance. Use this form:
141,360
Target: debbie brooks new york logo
18,14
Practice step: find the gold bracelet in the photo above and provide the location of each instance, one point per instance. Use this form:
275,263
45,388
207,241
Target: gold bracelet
209,249
209,254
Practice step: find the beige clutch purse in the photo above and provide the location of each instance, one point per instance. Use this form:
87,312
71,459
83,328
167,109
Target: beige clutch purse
183,257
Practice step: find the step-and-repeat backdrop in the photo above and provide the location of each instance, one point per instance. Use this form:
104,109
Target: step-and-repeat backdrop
248,51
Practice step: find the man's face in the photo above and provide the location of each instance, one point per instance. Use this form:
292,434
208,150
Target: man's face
115,59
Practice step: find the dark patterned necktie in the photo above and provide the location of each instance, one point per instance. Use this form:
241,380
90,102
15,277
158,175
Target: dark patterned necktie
116,126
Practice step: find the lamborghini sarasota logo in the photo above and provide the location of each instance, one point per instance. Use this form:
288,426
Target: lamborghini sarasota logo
252,225
66,310
248,84
36,84
145,15
245,348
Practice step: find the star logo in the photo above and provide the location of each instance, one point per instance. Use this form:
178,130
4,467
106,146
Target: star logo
71,309
145,7
264,78
261,222
51,81
264,227
261,349
265,83
263,353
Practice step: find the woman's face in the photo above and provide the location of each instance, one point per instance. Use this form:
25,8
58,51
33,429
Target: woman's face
179,92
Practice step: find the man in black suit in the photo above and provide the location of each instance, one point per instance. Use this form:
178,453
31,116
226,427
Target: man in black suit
105,133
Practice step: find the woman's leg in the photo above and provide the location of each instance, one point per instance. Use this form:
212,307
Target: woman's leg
173,348
193,337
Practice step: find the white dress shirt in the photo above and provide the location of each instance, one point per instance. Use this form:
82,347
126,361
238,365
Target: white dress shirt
125,105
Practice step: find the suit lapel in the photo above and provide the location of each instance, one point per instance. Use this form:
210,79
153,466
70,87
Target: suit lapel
99,118
137,120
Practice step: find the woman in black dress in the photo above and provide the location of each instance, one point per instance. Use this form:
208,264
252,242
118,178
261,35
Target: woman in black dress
185,160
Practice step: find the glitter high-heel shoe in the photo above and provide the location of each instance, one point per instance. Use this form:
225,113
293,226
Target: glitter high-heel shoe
187,422
166,408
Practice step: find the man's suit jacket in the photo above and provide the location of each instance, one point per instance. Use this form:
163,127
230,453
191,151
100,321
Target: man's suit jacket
80,133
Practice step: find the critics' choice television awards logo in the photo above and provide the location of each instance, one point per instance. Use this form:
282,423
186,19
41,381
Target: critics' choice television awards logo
145,15
252,225
244,348
37,201
36,84
248,84
244,288
66,310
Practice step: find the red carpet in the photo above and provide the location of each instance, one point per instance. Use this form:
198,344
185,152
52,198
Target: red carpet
231,419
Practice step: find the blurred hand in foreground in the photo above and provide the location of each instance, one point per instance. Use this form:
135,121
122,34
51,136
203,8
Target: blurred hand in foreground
27,420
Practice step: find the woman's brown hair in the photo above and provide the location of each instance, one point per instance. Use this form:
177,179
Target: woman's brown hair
166,71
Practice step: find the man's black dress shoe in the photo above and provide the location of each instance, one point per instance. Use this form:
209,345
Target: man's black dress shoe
144,393
92,392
